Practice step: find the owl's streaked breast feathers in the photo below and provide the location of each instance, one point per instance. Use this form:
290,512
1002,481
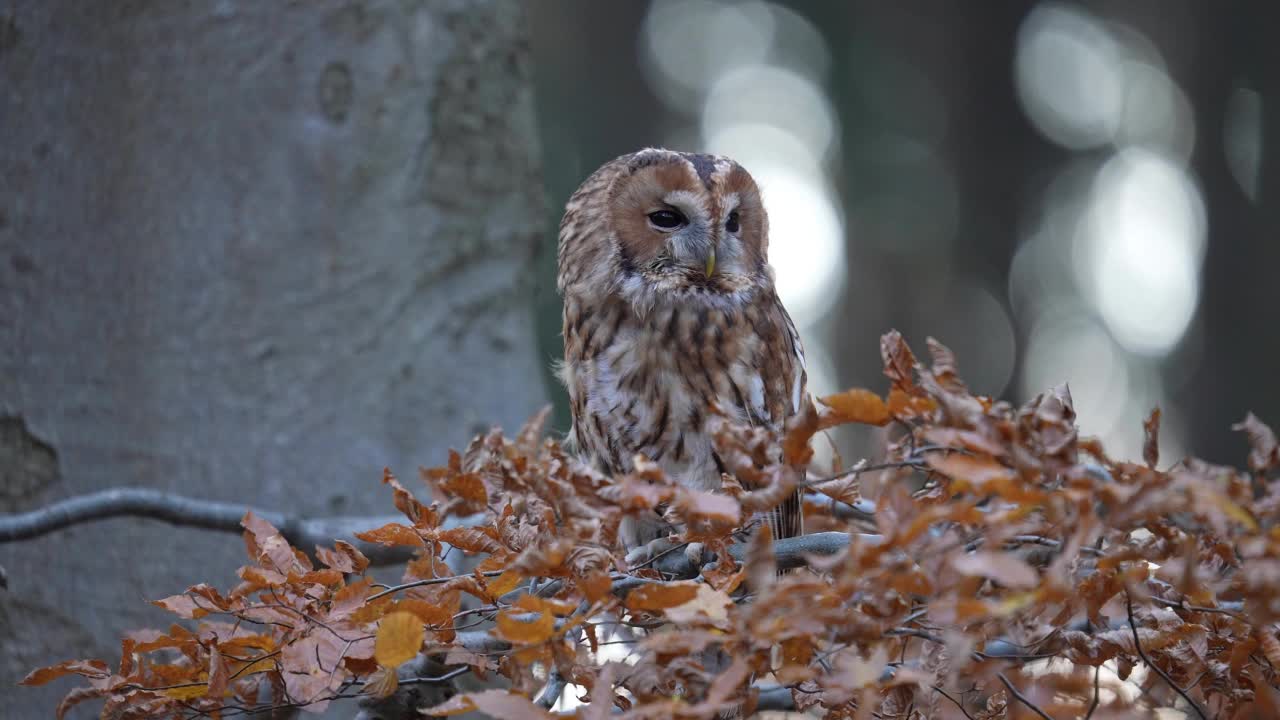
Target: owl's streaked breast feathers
669,310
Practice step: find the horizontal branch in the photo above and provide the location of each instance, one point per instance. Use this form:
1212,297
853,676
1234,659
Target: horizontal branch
303,533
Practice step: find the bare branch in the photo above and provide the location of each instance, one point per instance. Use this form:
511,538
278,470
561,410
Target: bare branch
303,533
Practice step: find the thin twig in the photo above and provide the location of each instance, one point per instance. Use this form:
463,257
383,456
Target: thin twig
1097,670
1128,605
437,679
957,702
1023,698
428,581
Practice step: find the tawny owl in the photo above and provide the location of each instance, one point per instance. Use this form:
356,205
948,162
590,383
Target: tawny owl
669,307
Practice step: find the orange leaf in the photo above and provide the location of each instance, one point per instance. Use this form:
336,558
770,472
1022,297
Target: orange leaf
429,614
399,639
902,405
87,668
472,539
855,406
660,596
596,585
504,583
381,683
520,628
392,534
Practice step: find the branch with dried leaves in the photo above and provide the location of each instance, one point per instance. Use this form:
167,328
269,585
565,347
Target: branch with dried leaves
1001,538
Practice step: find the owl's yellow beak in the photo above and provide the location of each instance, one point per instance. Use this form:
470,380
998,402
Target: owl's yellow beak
711,261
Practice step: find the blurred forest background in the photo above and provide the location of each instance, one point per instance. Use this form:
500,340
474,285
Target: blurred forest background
1083,192
255,252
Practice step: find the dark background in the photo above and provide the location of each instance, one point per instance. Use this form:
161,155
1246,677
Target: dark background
1079,192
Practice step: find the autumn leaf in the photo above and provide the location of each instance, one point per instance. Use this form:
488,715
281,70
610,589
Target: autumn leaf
660,596
427,613
1151,438
855,406
504,583
707,606
974,470
273,551
189,691
1264,452
472,539
800,428
525,628
398,640
182,606
344,557
899,361
88,668
761,566
393,534
381,683
218,673
1004,568
708,506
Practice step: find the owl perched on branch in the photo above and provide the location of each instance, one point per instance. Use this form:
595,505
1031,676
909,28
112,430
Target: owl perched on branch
670,311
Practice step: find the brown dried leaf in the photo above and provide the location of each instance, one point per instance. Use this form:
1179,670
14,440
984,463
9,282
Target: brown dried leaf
393,534
855,406
497,704
899,362
707,606
473,539
1264,452
1151,438
660,596
1005,568
87,668
344,557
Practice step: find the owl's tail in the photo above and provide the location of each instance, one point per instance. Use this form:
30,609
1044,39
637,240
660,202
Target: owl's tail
786,520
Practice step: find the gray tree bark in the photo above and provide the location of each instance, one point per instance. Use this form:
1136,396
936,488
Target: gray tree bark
249,251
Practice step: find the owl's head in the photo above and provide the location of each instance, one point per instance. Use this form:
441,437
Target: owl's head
659,225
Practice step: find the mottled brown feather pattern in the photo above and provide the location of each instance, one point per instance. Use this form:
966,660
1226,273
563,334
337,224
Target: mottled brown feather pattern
652,342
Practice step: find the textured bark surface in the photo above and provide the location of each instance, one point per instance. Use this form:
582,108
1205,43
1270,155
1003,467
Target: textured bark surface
251,252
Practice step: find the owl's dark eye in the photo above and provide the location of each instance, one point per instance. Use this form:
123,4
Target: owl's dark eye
731,224
666,219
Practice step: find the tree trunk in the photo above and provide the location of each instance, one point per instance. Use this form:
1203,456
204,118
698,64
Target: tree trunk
251,252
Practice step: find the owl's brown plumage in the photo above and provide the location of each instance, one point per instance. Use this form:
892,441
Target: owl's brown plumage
669,307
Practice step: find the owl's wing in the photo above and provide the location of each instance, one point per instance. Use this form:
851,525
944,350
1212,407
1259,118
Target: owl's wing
780,372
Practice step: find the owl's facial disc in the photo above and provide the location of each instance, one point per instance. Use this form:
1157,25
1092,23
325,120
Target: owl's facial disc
683,228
